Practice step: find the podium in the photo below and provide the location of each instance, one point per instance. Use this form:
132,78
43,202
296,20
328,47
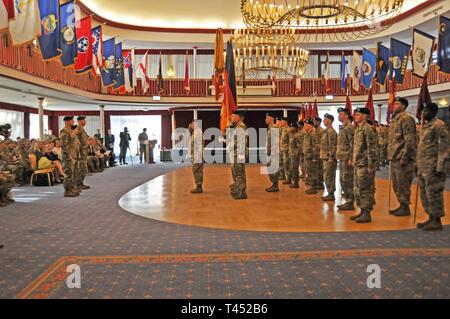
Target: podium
151,144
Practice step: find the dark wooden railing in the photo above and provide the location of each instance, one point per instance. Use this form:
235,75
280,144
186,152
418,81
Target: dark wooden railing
29,59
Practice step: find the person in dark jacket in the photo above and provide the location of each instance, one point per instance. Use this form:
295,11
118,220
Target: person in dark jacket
124,145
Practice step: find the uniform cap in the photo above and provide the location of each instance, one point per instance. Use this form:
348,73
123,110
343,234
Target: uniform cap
270,115
68,118
318,119
309,121
329,116
362,110
81,118
431,106
403,101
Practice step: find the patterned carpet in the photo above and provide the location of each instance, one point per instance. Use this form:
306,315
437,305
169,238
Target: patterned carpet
125,256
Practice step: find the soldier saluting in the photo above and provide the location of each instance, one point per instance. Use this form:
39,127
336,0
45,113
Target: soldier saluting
365,160
401,154
432,164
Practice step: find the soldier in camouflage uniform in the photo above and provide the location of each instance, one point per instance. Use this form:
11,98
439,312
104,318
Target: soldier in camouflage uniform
344,154
301,133
12,162
69,156
284,152
432,162
272,128
365,160
6,184
83,138
402,154
295,145
383,139
320,131
311,151
196,154
239,149
328,148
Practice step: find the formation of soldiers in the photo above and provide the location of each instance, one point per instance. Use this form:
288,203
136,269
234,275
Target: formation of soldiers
359,149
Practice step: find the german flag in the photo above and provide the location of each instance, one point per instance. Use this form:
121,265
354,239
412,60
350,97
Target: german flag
229,103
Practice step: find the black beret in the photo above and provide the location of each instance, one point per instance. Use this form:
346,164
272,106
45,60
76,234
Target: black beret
362,110
341,109
318,119
80,118
68,118
271,115
431,106
403,101
309,121
329,116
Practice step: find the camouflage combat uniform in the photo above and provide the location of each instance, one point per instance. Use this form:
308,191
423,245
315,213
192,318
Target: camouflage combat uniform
69,157
284,154
402,147
365,157
197,156
273,177
82,169
311,152
344,154
328,147
240,154
432,162
320,131
295,151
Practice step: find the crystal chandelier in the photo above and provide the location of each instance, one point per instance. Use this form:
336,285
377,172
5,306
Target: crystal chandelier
260,53
322,20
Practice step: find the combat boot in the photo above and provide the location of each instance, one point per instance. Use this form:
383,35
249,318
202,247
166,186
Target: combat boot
84,187
422,225
273,189
240,196
294,185
434,225
9,198
311,191
69,193
329,198
3,204
320,187
287,182
403,211
365,217
347,206
197,190
357,216
393,211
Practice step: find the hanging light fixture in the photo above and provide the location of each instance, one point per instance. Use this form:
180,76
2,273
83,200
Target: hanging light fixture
322,20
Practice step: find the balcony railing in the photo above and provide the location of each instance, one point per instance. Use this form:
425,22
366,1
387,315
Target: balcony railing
29,59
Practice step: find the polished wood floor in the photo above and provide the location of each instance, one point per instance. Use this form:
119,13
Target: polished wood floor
168,198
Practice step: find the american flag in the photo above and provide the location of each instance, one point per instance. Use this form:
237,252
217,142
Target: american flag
97,45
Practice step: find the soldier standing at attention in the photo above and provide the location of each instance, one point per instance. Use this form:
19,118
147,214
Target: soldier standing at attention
295,144
143,138
240,153
69,155
301,137
84,150
311,151
432,163
270,121
328,148
402,153
344,154
196,152
284,151
365,159
320,131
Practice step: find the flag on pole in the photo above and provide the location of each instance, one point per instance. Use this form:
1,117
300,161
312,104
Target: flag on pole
308,111
49,39
229,103
382,64
97,49
328,75
26,25
219,63
315,109
109,58
356,74
392,89
424,97
444,45
83,62
368,68
119,75
128,70
370,105
422,52
7,13
67,34
160,76
343,72
187,87
398,60
348,104
145,80
302,113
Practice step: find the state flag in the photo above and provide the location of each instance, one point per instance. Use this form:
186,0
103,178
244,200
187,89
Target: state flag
119,71
67,34
369,63
421,53
356,73
398,60
109,62
229,103
97,49
382,64
7,13
128,70
83,61
443,60
49,39
27,23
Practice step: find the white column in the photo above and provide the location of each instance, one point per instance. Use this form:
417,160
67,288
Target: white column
195,115
102,122
379,113
285,113
41,117
195,63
